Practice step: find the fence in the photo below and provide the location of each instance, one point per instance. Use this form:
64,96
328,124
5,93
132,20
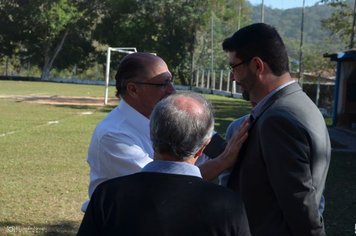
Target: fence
215,82
320,90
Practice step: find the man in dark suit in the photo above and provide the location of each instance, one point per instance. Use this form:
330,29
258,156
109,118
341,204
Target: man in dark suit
169,197
283,165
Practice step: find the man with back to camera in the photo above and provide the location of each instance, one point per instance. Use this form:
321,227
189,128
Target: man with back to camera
121,143
169,197
283,165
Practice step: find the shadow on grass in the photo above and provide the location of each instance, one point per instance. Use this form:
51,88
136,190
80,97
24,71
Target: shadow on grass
340,195
104,109
58,228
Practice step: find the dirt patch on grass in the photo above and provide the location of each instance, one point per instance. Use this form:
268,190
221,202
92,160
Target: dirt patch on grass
62,100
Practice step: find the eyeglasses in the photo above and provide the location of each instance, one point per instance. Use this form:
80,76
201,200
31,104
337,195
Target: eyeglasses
233,67
160,85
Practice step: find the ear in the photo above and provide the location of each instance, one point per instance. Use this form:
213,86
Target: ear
131,89
259,65
200,151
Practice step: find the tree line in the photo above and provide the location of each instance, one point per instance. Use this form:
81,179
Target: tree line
62,34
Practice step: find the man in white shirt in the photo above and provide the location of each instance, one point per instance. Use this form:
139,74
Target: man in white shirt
121,143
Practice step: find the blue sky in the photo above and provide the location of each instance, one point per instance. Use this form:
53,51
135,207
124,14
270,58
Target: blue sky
284,4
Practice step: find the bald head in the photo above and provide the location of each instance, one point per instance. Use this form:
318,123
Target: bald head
142,80
135,67
181,124
188,105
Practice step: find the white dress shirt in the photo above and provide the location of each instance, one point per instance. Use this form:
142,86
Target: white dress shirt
120,146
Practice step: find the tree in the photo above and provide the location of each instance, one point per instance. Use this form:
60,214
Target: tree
36,30
45,29
222,19
340,22
9,30
165,27
80,49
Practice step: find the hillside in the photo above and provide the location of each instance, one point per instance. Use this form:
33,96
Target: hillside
288,23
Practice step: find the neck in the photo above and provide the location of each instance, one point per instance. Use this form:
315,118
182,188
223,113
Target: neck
267,85
136,106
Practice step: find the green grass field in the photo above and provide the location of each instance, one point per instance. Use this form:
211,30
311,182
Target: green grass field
43,151
44,174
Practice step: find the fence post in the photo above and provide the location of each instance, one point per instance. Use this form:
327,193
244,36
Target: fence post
208,80
213,80
197,79
221,79
228,83
6,66
317,92
233,87
202,79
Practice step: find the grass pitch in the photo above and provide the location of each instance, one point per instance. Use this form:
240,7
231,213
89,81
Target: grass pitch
44,174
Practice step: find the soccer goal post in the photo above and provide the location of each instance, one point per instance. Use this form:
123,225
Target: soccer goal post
107,72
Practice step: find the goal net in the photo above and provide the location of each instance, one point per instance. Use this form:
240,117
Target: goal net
107,72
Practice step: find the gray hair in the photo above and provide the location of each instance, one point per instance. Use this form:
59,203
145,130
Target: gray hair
181,124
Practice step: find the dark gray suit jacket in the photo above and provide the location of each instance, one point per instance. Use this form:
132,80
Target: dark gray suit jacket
283,165
161,204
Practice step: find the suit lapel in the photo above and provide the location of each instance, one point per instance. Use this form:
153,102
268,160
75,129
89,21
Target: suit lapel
289,89
292,88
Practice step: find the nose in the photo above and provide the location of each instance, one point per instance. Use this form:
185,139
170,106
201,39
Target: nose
170,89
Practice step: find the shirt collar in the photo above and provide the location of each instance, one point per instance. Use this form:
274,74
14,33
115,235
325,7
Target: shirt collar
256,111
172,167
138,120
